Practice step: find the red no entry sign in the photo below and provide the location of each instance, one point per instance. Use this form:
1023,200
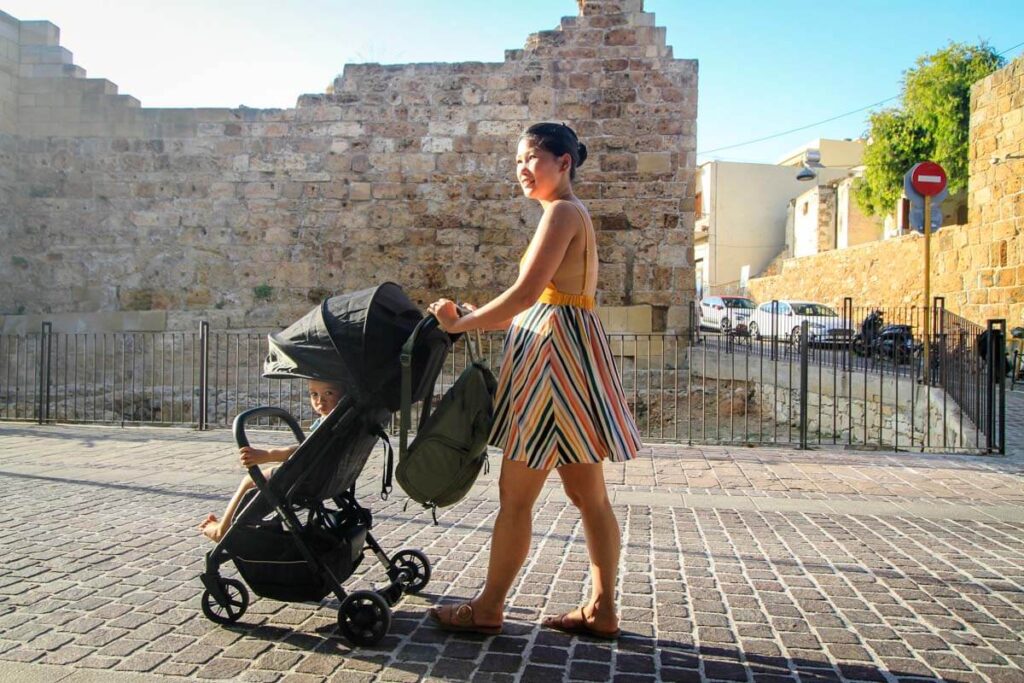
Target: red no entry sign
928,178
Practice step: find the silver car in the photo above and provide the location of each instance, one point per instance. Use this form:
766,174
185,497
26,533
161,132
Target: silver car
782,319
726,313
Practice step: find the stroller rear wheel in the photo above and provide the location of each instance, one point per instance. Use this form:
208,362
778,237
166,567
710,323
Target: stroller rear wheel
237,602
416,568
364,618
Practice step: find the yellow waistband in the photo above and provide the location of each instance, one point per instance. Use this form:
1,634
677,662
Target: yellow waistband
556,298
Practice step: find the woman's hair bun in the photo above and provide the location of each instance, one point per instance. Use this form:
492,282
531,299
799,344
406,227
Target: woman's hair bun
583,154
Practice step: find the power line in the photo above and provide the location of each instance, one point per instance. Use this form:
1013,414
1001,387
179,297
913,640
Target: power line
818,123
794,130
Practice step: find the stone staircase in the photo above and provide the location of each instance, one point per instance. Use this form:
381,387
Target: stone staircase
622,24
54,95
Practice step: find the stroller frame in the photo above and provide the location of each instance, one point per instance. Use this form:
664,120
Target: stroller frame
364,616
356,340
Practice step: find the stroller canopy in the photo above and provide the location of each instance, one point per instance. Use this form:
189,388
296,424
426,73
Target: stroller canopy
355,340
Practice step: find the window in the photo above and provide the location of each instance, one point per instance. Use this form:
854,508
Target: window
804,209
814,309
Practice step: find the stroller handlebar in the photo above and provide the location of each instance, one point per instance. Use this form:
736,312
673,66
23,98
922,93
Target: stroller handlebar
238,426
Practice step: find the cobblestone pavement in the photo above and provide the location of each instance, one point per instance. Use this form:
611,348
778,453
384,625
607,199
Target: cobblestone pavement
738,565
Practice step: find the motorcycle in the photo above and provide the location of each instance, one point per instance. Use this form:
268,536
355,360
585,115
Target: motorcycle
892,341
864,341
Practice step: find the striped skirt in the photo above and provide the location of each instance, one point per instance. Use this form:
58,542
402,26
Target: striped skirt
559,398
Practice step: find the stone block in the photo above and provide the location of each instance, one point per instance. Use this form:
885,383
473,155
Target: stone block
45,54
10,28
42,33
360,192
654,163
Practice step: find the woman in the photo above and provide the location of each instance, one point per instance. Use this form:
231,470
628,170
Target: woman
559,401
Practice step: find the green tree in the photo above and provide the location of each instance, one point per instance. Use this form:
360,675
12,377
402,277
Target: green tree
932,123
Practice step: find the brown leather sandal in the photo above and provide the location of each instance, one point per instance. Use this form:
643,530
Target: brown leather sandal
578,627
460,618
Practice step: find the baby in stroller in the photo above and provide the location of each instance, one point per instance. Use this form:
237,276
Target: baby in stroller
323,397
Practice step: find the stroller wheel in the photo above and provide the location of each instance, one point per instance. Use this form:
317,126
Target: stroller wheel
416,568
364,618
238,602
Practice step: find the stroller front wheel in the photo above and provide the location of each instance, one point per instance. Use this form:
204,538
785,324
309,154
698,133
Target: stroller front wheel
237,602
364,618
416,568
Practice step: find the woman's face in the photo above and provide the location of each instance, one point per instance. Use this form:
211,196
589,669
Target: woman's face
539,172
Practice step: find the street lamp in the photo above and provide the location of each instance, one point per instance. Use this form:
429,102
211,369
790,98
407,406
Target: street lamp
812,157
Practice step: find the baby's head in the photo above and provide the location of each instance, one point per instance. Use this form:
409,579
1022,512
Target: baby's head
324,396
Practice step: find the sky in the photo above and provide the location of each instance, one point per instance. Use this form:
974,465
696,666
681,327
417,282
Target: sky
766,66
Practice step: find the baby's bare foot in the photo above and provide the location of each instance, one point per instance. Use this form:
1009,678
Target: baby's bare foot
212,528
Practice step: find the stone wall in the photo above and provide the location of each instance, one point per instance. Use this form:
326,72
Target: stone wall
247,217
996,194
9,61
978,267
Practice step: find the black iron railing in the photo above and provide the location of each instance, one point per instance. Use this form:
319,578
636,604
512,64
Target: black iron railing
828,381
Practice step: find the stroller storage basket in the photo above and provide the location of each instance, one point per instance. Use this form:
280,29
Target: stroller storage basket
271,563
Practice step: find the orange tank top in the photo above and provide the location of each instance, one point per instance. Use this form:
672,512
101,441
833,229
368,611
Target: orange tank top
551,294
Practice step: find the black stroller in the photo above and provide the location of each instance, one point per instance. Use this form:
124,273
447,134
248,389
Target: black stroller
285,542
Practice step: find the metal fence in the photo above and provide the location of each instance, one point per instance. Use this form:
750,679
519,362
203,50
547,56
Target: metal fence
864,378
736,388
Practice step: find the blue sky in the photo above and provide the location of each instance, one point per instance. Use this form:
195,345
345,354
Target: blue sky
765,66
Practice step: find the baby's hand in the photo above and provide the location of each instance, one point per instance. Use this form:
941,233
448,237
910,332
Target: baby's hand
252,456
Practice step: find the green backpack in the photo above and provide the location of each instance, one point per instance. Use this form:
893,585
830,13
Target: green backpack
441,464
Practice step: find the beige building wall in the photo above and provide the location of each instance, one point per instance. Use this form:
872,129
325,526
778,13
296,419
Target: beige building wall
853,226
978,267
844,154
246,217
748,210
805,223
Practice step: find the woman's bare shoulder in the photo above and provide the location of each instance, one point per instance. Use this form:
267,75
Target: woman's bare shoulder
566,210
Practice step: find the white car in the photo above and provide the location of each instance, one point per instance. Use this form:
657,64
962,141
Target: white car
781,320
726,313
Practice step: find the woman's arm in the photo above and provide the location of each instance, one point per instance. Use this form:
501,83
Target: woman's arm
559,224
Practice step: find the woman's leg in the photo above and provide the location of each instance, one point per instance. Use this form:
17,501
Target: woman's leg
518,488
585,486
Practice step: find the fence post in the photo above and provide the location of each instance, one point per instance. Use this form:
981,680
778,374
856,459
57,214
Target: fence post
804,345
204,371
850,325
43,394
996,389
939,332
693,323
775,329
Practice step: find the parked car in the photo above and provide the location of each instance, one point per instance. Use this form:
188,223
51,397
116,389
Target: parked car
726,313
781,319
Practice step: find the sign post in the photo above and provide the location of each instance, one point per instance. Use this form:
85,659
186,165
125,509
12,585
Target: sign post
927,179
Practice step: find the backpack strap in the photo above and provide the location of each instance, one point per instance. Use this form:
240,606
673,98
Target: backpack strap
389,465
405,358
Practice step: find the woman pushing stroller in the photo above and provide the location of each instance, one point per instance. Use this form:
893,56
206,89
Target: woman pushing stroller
559,402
